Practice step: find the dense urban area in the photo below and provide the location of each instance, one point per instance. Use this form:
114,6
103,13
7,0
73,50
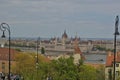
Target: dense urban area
59,58
59,40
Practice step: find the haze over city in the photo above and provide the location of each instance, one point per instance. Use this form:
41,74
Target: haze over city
49,18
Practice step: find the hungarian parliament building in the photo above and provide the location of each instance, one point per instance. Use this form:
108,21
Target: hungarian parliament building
63,44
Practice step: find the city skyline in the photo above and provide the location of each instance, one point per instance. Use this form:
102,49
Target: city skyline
49,18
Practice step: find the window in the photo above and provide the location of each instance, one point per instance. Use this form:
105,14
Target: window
3,66
117,65
110,74
117,73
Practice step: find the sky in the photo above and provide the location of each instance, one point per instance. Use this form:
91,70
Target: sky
50,18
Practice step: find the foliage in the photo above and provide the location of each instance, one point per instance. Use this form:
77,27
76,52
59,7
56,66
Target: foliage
101,73
17,49
25,65
42,50
64,69
61,69
87,73
103,48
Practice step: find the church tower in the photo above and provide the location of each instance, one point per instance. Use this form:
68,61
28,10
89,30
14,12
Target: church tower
77,52
64,37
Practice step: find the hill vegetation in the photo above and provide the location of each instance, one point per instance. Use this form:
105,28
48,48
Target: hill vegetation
61,69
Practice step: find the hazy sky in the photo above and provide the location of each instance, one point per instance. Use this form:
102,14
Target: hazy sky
49,18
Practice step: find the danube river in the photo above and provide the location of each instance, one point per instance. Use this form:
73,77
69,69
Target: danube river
95,58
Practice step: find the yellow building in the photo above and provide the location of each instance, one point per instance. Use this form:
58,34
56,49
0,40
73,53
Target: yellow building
109,66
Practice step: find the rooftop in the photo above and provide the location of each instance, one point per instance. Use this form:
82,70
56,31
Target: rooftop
110,58
4,53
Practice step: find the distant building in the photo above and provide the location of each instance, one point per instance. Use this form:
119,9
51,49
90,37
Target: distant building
76,53
64,38
63,44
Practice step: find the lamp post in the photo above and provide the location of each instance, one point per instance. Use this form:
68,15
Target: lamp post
115,35
4,27
37,62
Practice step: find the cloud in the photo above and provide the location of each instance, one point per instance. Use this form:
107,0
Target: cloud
62,7
82,14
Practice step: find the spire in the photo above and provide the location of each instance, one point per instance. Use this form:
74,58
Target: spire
77,49
76,35
64,34
76,40
76,46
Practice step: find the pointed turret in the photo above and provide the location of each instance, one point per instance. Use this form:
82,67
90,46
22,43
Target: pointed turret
77,52
64,35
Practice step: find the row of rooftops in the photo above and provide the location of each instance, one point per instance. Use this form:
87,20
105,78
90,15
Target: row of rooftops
109,58
4,52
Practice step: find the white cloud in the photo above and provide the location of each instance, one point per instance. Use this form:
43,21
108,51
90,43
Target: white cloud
97,14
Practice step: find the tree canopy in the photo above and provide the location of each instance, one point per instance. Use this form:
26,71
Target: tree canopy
61,69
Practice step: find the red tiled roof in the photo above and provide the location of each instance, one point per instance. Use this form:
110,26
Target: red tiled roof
94,65
77,50
4,53
118,57
110,58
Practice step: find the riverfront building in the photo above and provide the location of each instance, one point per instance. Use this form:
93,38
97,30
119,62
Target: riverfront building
110,64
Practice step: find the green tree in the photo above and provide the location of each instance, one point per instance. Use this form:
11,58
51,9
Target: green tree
42,50
87,73
25,65
61,69
64,69
100,73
